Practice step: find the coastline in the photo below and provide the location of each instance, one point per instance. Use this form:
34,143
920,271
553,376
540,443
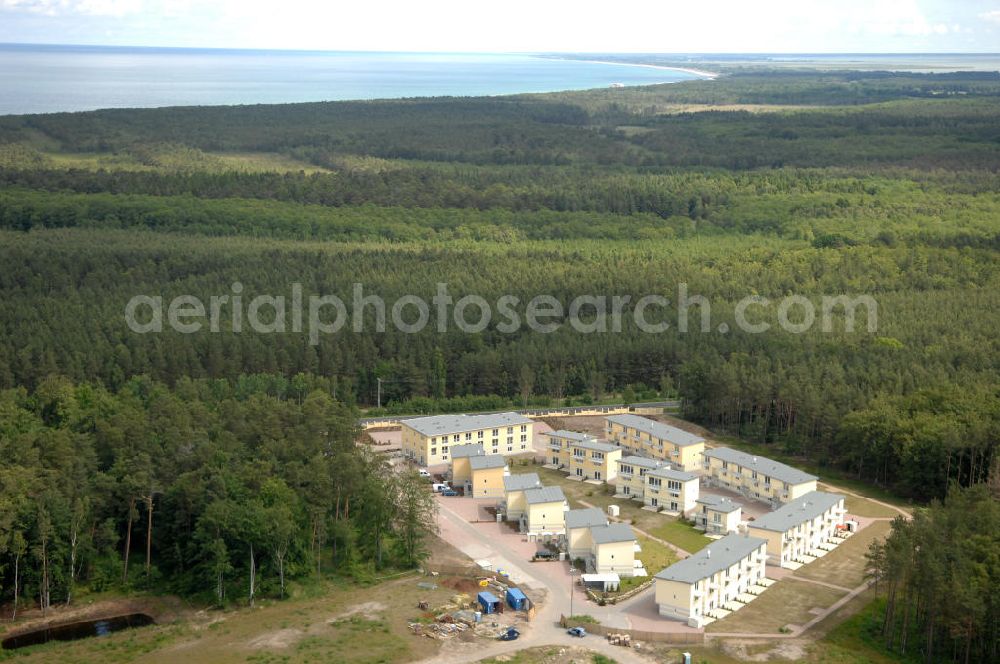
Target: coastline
709,75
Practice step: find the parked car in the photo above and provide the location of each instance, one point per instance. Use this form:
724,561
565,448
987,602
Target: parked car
577,631
449,492
439,487
510,635
423,473
546,554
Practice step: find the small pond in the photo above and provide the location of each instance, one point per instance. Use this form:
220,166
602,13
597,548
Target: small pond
77,630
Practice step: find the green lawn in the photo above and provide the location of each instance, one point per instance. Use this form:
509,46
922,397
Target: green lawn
654,557
682,534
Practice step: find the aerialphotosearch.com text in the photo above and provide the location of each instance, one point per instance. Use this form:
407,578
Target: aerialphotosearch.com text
362,311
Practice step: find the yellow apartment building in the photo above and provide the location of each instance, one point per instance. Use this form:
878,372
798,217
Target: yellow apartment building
690,590
427,440
579,543
461,471
671,490
717,515
630,480
756,477
642,436
544,511
514,487
801,530
583,456
613,550
487,476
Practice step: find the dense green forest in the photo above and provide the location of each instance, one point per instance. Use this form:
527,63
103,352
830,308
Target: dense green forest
839,183
223,489
940,573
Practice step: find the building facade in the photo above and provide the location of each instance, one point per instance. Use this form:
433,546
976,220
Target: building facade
671,490
717,515
544,511
756,477
613,550
583,456
801,528
460,470
487,473
514,487
579,543
429,440
630,481
641,436
691,589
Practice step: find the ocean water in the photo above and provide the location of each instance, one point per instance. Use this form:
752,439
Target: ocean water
46,79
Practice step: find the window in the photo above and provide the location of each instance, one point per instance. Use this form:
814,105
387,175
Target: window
654,502
674,486
597,474
654,481
496,432
524,438
479,434
717,518
434,451
626,490
444,449
510,440
434,440
456,438
468,435
673,506
524,427
496,441
510,429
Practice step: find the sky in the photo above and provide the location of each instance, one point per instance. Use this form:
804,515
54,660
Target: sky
660,26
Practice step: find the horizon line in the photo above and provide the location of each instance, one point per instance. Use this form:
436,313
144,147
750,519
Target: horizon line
533,52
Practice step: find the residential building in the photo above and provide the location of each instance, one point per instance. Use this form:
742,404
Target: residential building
630,480
544,511
645,437
514,487
487,476
583,456
578,524
461,472
427,440
671,490
717,515
691,589
756,477
613,551
801,528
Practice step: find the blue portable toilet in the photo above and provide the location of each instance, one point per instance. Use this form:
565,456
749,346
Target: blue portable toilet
489,602
516,599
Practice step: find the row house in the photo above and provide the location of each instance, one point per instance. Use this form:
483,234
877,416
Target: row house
642,436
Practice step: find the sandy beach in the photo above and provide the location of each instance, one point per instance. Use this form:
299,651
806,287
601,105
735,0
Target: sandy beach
688,70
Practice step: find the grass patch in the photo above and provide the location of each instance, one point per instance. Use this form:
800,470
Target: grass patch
845,565
785,603
682,534
654,557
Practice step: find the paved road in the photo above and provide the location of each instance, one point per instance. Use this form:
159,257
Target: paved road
544,630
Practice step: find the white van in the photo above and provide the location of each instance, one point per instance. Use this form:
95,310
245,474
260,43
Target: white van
439,487
423,473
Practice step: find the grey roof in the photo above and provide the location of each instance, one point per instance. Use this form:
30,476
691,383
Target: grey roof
659,430
798,511
521,482
642,462
671,474
595,445
615,532
569,435
437,425
463,451
585,518
545,494
488,461
715,557
775,469
718,503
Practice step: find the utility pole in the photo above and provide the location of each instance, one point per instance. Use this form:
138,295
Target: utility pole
379,392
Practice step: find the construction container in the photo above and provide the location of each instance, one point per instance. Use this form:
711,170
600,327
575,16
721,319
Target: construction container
488,601
516,599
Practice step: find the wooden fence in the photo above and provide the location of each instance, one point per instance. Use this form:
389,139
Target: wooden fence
678,638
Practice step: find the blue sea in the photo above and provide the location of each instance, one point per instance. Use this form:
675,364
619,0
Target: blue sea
46,79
